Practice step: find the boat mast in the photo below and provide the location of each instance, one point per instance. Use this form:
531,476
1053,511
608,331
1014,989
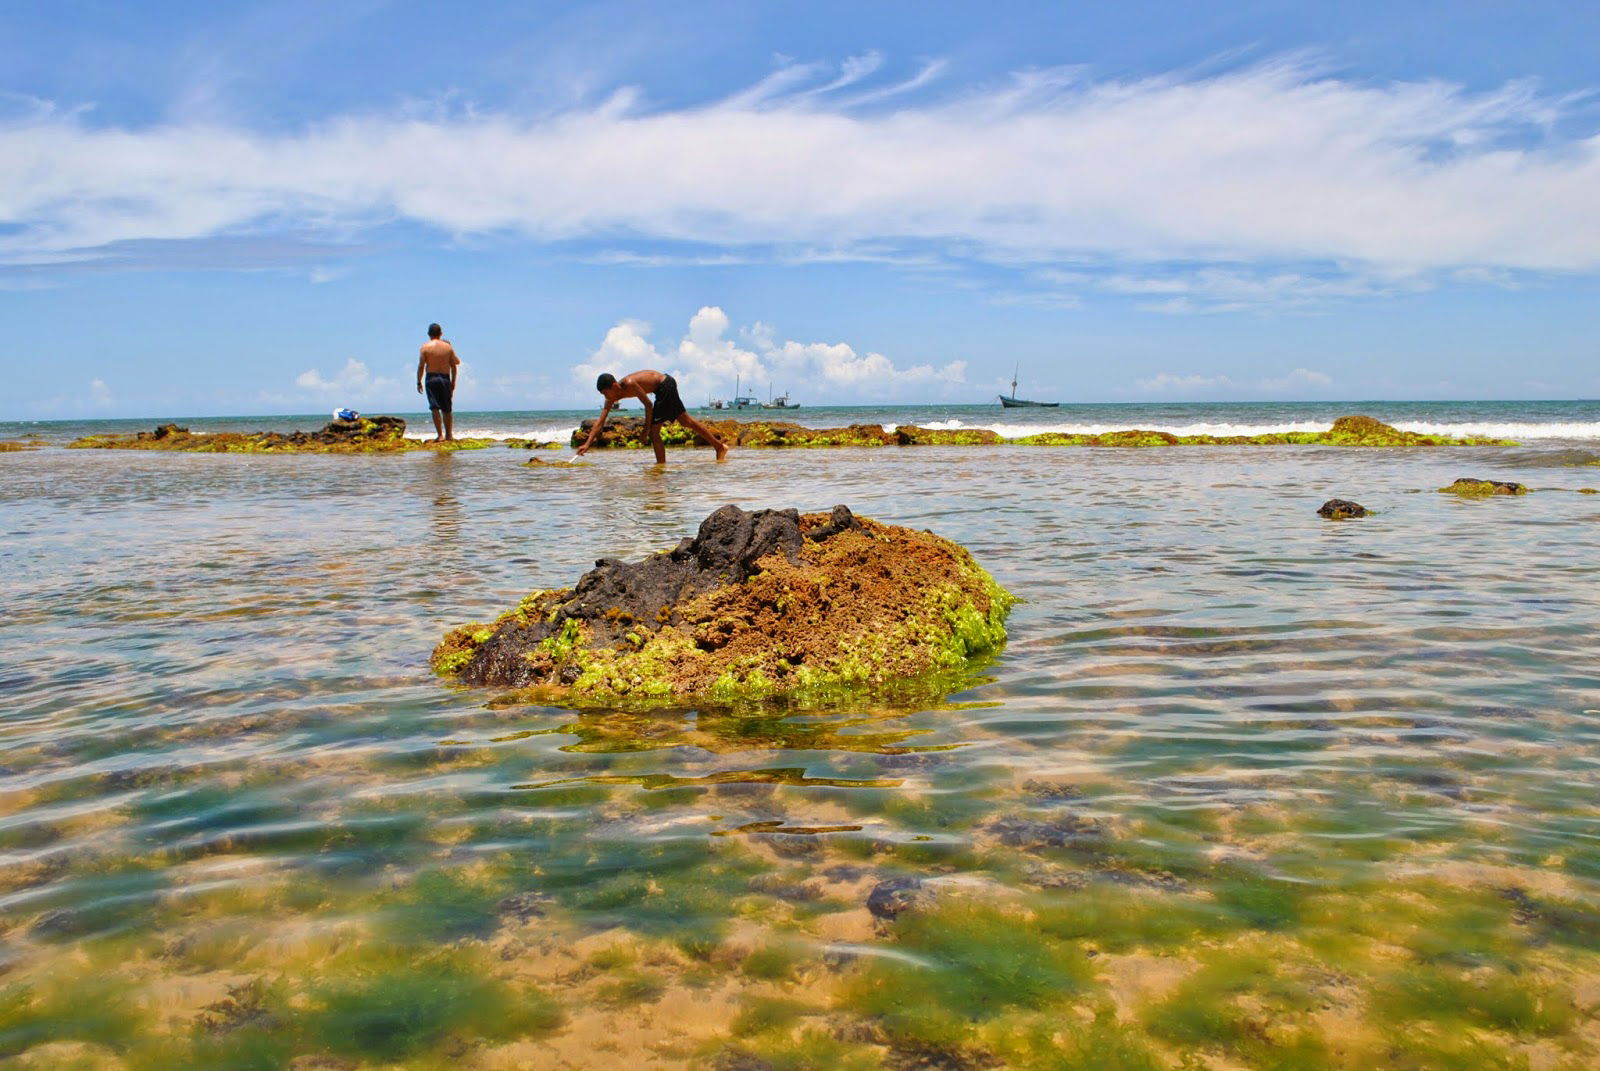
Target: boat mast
1014,372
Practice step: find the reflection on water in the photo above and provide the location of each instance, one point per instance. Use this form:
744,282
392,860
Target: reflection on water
1247,788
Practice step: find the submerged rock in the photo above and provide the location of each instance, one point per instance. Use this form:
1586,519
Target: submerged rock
363,435
757,603
1340,509
892,898
1467,485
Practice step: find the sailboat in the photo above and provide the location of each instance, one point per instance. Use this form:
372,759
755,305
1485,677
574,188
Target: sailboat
1013,402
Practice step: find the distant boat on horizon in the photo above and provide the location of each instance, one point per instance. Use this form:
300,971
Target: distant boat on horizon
739,401
1011,401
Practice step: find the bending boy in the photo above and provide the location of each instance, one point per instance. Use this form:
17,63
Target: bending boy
666,408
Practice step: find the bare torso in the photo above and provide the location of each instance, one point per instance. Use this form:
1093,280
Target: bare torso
439,356
638,384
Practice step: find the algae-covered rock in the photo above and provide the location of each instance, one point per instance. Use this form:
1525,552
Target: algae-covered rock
911,435
1467,485
629,433
756,604
1340,509
12,446
363,435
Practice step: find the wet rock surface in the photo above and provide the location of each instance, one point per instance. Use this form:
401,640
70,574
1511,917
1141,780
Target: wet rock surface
756,603
1340,509
1468,485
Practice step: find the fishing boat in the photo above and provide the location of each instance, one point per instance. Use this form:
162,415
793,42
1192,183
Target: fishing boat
1011,401
780,402
738,401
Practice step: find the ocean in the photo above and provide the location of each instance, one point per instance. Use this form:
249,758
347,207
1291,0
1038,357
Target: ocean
1245,788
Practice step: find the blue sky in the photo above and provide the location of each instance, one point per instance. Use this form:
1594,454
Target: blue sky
257,208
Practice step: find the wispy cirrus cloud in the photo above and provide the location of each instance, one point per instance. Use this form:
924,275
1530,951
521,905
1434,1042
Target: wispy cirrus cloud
1275,163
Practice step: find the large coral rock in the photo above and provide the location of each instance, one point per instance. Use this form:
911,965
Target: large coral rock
757,603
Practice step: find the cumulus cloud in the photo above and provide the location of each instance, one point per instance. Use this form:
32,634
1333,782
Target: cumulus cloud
354,383
100,394
712,359
1272,163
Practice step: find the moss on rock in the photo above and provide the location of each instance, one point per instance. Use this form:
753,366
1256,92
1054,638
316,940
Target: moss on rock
757,604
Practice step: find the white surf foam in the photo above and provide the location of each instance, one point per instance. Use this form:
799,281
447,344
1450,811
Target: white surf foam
1519,430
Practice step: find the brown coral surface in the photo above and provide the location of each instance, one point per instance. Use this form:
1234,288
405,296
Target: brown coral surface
757,603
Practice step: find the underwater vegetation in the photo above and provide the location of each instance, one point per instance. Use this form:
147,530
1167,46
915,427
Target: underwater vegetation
755,605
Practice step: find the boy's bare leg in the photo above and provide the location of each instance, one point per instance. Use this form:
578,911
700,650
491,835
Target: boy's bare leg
660,447
705,433
438,427
450,427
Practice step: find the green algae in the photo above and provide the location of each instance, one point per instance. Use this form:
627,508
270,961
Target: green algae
389,1014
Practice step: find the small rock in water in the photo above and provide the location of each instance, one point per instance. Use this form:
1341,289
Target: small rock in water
892,898
1467,485
1338,509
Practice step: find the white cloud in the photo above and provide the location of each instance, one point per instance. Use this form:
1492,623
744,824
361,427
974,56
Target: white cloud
1301,380
1274,163
354,383
100,394
1166,381
711,360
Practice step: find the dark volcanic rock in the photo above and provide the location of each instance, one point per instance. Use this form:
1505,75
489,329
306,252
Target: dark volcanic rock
1339,509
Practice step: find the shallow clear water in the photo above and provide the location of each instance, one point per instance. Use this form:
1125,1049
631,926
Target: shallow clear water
1246,788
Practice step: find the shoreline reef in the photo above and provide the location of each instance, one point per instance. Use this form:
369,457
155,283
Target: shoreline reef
1354,430
386,434
363,435
757,604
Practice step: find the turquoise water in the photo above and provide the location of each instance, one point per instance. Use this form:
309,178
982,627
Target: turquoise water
1246,788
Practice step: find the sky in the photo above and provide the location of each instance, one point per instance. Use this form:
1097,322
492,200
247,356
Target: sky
257,208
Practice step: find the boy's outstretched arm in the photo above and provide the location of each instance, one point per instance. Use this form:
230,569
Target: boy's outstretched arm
594,432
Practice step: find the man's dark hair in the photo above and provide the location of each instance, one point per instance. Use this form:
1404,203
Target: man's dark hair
605,382
434,330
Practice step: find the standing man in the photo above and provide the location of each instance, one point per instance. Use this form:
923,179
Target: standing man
666,408
438,364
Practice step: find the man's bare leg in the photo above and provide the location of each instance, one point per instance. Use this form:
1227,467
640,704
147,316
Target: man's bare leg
660,447
438,427
705,433
450,427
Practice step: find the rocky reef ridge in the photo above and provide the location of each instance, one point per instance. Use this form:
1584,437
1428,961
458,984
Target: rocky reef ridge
756,604
363,435
1355,430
